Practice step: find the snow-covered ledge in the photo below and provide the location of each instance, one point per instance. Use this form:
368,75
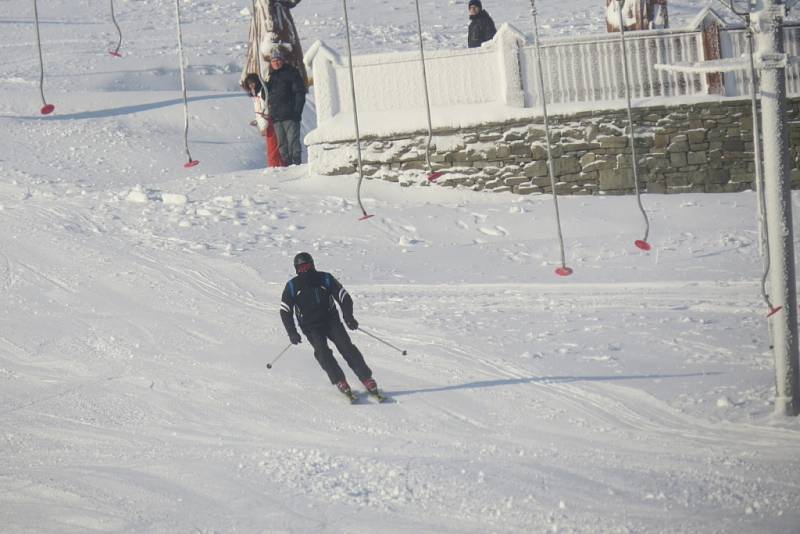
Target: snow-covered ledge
485,80
322,59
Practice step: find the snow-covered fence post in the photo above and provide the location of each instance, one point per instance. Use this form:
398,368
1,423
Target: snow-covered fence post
323,62
767,23
508,42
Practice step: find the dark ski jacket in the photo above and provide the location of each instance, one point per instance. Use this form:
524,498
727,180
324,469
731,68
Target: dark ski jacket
481,29
286,93
311,296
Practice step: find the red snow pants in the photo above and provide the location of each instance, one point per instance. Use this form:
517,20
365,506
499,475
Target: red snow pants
273,154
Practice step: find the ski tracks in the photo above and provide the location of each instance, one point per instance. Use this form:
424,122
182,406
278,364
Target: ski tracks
7,277
556,416
601,393
222,286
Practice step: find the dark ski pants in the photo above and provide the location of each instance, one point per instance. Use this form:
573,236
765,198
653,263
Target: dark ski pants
335,331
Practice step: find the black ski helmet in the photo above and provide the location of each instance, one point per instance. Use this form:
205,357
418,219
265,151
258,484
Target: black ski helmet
302,259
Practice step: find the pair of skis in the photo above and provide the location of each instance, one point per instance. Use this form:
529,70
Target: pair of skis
354,398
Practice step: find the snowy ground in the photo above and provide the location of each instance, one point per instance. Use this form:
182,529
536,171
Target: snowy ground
140,306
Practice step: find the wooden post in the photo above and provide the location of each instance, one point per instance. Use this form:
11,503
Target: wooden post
712,50
710,25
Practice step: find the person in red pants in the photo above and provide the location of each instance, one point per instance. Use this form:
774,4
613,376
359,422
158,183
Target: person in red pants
263,121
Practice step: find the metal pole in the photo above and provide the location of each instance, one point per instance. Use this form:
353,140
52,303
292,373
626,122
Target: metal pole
373,336
278,357
191,162
115,52
563,270
767,25
757,143
642,243
425,88
46,108
355,111
763,245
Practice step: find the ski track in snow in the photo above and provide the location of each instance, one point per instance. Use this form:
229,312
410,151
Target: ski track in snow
474,439
499,378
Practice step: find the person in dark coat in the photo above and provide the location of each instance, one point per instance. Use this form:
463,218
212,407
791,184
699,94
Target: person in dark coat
481,25
286,95
312,296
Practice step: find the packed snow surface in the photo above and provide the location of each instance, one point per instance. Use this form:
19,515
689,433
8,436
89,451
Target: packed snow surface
140,307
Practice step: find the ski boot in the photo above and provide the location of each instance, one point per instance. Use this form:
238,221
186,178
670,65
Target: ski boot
372,389
344,388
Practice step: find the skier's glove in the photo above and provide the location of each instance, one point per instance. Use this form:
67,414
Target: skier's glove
295,338
351,323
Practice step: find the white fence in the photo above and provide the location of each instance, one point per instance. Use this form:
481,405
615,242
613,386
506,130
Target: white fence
389,82
589,69
503,72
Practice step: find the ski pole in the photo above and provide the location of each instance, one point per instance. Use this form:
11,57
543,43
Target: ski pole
401,351
278,357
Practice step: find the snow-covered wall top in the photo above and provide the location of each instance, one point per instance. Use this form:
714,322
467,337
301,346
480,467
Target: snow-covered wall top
394,81
499,81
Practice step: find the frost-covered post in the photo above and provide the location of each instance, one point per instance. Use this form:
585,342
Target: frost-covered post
711,48
767,23
323,62
508,42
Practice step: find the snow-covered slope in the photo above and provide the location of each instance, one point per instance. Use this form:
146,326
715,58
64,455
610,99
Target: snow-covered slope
140,306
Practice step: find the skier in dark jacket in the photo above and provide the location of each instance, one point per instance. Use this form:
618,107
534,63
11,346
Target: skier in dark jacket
481,25
311,295
286,94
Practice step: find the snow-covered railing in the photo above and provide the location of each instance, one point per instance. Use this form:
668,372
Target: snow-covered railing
734,44
502,73
589,69
390,82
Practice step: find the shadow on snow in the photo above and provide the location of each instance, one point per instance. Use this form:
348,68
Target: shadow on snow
547,380
126,110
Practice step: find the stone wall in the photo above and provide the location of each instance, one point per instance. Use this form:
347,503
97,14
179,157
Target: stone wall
701,147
